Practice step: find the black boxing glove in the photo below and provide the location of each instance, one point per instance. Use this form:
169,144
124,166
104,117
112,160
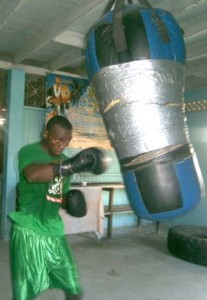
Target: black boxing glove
75,203
91,159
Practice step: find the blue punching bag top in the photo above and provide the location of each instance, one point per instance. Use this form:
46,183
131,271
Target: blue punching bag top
143,37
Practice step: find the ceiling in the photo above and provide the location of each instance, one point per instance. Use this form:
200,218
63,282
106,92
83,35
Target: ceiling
51,34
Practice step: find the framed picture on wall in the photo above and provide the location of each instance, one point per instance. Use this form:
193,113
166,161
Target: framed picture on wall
74,98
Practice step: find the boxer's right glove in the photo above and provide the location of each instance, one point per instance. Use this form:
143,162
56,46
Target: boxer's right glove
91,159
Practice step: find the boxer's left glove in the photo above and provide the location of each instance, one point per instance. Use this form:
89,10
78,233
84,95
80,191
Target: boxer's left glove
91,159
75,203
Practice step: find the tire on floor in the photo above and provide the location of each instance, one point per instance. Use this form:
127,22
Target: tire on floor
189,243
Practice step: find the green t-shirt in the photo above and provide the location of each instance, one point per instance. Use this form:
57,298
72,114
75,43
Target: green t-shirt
39,203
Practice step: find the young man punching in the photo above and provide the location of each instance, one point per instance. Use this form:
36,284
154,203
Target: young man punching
41,257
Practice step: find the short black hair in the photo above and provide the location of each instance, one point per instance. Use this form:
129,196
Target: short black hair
59,120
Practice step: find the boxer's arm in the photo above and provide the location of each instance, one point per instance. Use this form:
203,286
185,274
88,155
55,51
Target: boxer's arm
39,173
90,159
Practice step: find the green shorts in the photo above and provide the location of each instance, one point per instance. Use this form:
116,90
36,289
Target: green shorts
40,262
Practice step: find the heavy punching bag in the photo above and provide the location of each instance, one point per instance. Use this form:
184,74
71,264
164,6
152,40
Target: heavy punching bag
135,61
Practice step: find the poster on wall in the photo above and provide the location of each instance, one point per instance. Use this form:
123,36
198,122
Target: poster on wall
74,98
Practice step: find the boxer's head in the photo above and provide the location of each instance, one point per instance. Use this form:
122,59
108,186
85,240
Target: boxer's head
57,135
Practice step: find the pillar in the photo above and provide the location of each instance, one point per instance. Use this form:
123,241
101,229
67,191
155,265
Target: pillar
12,142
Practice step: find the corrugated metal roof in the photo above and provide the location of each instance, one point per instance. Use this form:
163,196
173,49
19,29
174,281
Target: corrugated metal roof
51,34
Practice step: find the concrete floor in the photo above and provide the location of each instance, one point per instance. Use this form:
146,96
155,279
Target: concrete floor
134,265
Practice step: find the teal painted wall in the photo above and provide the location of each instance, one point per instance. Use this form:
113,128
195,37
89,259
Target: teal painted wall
197,124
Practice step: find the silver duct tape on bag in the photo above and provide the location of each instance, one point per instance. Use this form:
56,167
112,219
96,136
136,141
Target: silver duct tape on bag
142,107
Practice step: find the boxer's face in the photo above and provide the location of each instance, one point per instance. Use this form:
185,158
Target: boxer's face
57,139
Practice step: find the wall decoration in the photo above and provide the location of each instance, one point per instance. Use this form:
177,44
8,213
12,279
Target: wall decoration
196,106
34,90
74,98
